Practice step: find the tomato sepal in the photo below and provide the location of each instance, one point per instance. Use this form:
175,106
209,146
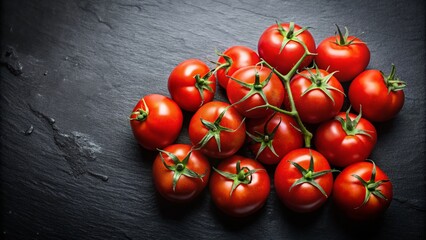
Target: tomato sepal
371,186
309,175
243,175
393,83
265,139
179,168
320,82
214,130
349,126
141,114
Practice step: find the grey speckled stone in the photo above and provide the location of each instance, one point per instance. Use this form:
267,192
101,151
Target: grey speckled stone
70,168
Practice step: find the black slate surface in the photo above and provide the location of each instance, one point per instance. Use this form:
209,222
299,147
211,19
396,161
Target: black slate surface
71,71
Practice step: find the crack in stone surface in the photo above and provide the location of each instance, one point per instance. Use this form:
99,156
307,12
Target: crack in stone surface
77,148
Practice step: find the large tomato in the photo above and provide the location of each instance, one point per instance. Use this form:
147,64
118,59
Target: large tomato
362,191
347,55
318,95
252,87
217,129
280,46
239,186
346,139
381,97
191,84
180,173
273,136
303,180
156,121
233,59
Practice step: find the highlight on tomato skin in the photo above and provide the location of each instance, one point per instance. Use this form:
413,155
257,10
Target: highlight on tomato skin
156,121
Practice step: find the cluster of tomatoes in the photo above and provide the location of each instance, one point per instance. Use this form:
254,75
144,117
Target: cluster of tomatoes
277,96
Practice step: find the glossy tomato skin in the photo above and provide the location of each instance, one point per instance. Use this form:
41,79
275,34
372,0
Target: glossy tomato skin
187,188
342,149
231,141
241,56
162,124
285,138
182,84
246,199
304,197
315,106
273,90
269,46
348,60
349,193
369,90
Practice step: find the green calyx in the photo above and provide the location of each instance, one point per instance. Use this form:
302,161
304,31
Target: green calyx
214,130
349,126
179,168
289,35
226,65
392,82
320,82
203,83
309,176
371,186
254,88
266,138
243,175
140,114
341,39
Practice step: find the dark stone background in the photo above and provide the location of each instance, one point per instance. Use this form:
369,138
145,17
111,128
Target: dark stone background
71,71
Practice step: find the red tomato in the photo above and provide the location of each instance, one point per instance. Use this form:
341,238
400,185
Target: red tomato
362,191
273,136
191,84
381,97
233,59
346,139
239,186
156,121
252,87
303,180
347,55
318,95
180,173
279,46
217,129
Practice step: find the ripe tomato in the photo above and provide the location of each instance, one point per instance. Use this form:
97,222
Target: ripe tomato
381,97
347,55
252,87
233,59
362,191
273,136
318,95
239,186
217,129
156,121
192,84
180,173
346,139
279,45
303,180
